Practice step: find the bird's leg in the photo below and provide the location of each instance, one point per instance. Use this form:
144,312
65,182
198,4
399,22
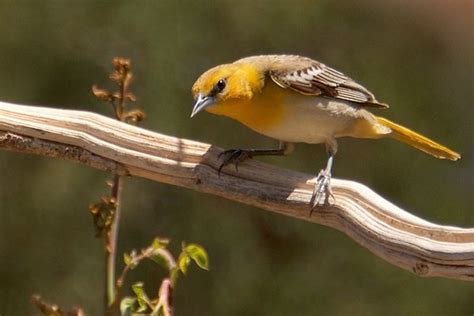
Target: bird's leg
236,156
322,188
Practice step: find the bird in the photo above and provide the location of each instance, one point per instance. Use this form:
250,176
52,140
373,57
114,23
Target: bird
296,99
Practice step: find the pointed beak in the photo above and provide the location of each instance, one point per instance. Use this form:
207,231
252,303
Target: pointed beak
201,103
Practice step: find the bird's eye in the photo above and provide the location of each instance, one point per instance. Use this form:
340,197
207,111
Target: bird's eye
220,85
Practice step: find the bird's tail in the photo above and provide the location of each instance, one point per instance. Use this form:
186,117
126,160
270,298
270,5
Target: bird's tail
416,140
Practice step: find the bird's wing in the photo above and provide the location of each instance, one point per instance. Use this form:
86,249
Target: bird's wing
311,77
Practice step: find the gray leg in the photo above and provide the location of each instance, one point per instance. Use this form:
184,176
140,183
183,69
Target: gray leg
236,156
322,188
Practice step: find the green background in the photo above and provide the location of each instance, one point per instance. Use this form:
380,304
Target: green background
417,56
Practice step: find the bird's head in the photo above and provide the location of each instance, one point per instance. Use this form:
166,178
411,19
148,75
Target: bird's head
225,84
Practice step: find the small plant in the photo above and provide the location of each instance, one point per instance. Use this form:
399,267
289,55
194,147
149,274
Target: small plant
106,216
141,303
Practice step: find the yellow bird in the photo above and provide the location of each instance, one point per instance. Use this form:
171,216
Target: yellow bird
296,99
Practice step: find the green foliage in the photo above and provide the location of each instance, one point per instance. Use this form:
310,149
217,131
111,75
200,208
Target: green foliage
127,306
193,252
142,298
141,304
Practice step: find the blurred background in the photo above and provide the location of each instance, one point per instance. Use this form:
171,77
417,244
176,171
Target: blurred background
417,56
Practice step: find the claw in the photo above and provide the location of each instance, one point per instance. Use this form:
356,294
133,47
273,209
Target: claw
322,190
234,156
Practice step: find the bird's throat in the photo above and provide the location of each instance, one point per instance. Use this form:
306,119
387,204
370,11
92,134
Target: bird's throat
261,112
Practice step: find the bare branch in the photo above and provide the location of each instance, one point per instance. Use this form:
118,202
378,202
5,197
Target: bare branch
386,230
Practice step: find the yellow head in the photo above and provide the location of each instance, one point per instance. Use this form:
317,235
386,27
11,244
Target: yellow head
225,84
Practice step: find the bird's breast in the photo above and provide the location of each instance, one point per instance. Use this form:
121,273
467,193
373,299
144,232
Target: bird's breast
292,117
263,111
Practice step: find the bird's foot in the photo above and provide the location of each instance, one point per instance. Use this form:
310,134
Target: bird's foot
322,190
234,156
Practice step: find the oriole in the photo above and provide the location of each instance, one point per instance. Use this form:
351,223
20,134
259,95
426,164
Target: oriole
297,99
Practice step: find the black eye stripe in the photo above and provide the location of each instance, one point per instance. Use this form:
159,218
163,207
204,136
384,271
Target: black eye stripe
218,87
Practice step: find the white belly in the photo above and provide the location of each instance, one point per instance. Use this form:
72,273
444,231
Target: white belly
314,120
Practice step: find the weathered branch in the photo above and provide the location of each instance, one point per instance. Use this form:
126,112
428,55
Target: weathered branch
395,235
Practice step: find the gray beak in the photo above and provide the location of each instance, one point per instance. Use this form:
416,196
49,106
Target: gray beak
201,103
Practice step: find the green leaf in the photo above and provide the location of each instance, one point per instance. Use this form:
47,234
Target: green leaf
160,243
164,258
130,259
127,306
183,262
127,259
198,254
142,298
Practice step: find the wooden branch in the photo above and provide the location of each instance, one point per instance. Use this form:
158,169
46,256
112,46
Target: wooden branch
389,232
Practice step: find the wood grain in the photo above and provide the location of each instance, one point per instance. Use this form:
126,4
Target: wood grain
388,231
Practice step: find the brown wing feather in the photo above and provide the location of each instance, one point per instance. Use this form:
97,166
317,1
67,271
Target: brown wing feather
311,77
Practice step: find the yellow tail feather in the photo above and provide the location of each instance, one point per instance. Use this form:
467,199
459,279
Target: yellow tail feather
416,140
